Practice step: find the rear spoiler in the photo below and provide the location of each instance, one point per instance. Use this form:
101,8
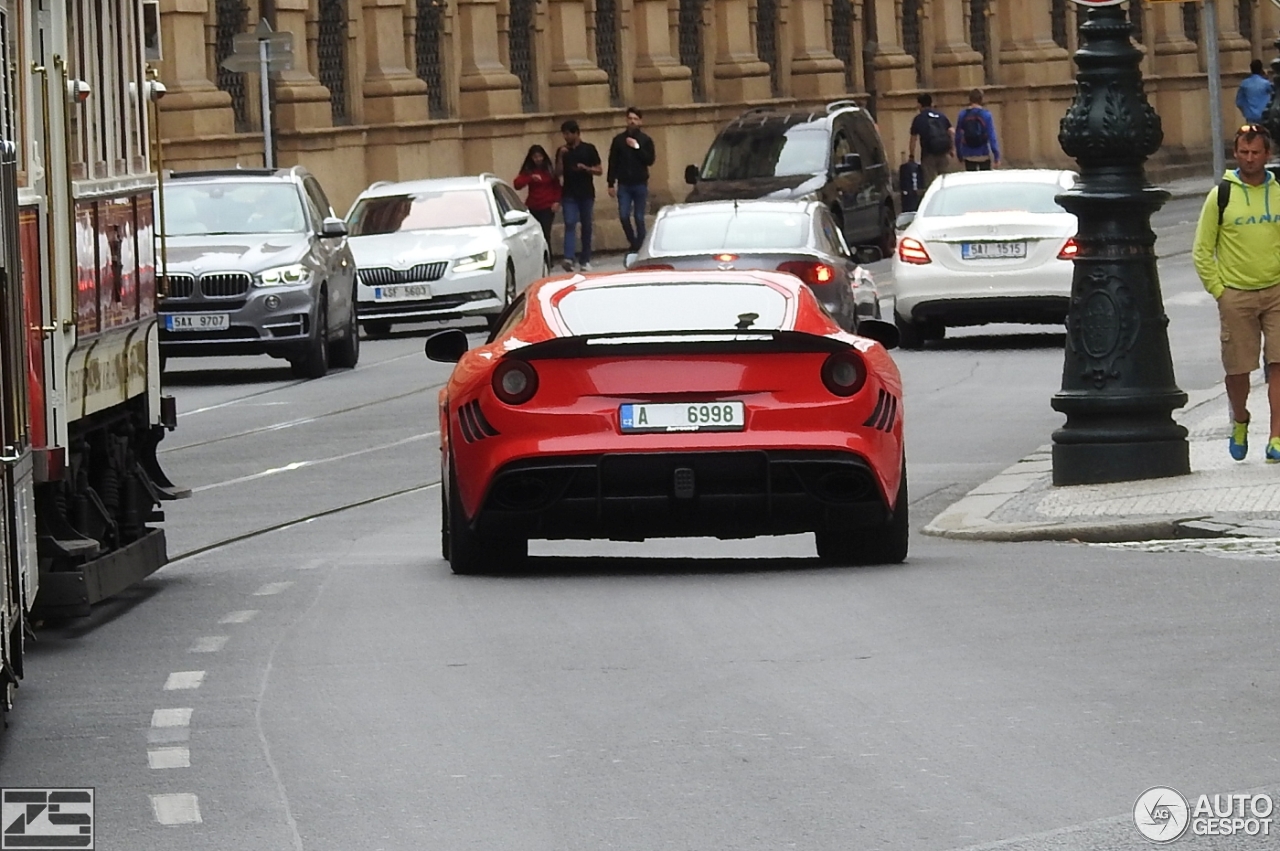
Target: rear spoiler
677,342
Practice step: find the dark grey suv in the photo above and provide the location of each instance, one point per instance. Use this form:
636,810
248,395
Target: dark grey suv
834,156
257,264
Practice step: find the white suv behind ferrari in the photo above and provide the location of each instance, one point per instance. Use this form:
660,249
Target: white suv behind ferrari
442,249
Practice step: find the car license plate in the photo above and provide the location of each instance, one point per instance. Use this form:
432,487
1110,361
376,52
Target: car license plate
699,416
197,321
401,292
992,250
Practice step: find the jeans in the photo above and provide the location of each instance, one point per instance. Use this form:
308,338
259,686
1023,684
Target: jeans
635,197
545,218
977,165
577,210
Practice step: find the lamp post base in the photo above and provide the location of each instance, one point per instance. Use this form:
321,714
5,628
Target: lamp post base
1099,463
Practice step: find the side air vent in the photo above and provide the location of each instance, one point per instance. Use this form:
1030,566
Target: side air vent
473,424
885,413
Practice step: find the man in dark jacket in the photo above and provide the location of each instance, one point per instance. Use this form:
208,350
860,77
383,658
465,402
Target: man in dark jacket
577,164
630,156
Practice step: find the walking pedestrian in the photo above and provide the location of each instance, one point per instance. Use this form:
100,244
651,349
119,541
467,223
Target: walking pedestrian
630,156
1254,93
1237,256
936,137
577,164
976,143
539,176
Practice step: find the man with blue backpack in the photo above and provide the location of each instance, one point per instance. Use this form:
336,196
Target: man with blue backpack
976,143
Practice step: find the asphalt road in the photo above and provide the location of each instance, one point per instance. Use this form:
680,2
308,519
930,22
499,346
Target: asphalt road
324,682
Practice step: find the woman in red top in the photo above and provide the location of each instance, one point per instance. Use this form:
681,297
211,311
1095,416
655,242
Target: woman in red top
544,188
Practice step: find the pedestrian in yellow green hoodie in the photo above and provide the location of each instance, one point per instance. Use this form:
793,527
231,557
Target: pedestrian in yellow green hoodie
1237,255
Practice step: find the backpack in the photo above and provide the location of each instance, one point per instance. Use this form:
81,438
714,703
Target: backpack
973,129
1224,198
935,139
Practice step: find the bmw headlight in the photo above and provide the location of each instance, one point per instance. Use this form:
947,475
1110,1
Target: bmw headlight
284,276
476,262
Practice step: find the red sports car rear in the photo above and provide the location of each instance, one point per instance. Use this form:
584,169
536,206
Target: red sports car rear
661,404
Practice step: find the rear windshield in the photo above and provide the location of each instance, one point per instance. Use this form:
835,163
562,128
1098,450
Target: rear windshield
200,209
678,306
995,198
766,152
462,208
728,229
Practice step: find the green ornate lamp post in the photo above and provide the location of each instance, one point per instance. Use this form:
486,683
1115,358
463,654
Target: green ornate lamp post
1118,390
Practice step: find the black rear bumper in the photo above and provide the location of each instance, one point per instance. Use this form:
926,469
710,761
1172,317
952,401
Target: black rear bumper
1030,310
634,496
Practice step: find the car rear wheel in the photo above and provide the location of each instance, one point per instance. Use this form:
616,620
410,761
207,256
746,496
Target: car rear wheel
883,544
314,361
508,296
888,232
468,551
346,352
910,335
377,329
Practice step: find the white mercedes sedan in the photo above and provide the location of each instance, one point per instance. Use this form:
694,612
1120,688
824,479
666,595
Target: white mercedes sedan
985,246
442,249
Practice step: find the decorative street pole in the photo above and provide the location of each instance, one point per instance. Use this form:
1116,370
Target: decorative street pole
1118,389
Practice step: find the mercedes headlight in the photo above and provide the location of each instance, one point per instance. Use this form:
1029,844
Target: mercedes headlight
476,262
284,276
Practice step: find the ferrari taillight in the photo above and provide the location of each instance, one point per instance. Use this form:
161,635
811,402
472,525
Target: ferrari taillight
844,373
514,382
913,251
810,272
1069,250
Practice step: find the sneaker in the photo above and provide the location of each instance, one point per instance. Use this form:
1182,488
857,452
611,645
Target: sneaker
1238,445
566,264
1273,451
584,266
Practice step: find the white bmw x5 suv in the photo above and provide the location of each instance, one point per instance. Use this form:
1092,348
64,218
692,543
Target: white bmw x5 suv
442,249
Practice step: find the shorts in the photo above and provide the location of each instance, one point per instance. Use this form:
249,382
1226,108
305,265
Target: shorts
1245,318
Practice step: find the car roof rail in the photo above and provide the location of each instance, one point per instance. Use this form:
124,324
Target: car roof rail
842,104
226,172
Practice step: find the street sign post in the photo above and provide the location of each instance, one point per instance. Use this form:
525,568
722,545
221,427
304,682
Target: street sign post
262,51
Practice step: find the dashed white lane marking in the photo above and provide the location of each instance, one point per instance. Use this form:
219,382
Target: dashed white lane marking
176,808
171,718
209,644
160,758
271,588
312,565
299,465
184,680
242,616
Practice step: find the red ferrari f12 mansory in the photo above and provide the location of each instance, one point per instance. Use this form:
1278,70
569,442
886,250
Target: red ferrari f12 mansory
671,404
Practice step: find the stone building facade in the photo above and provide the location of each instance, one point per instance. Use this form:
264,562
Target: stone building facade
399,89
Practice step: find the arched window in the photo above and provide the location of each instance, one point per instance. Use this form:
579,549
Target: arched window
842,38
911,35
1244,16
767,42
606,20
1136,18
231,18
331,54
690,26
979,35
1058,22
520,49
1191,21
428,36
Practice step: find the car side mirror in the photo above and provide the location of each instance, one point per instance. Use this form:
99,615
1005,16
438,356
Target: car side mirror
868,254
630,260
514,217
851,162
691,174
333,227
904,220
447,346
884,333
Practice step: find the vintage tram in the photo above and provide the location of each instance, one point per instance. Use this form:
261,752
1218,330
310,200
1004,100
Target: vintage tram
79,364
